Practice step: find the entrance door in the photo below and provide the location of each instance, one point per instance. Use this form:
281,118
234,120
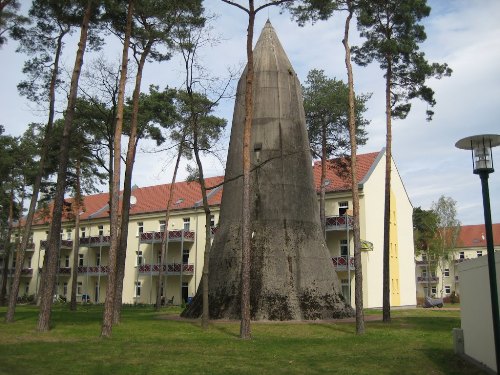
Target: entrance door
185,292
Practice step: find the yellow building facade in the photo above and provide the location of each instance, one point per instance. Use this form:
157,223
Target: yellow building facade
186,241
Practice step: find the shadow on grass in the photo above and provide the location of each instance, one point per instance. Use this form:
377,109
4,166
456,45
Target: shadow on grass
449,363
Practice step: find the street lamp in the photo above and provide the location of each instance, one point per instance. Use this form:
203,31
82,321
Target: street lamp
482,162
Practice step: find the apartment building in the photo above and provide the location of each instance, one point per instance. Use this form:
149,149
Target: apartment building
186,240
445,279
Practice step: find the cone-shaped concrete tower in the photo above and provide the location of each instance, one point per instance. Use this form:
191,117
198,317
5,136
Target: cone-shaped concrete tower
292,276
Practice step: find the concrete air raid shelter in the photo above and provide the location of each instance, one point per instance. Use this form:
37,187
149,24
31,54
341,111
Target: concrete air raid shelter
291,270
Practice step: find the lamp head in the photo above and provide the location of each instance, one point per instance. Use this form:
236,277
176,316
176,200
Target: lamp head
481,146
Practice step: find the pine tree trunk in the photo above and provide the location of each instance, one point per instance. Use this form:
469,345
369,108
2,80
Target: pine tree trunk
19,254
40,172
386,295
208,233
49,275
5,269
322,191
108,315
245,332
76,242
358,270
127,186
164,248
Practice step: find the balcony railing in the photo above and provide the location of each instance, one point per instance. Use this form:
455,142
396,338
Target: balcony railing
171,268
65,244
173,236
340,263
24,272
426,279
93,270
64,271
95,241
213,230
339,222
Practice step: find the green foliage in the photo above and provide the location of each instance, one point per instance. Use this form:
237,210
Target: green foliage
424,229
10,20
326,106
393,33
156,112
448,226
313,10
51,22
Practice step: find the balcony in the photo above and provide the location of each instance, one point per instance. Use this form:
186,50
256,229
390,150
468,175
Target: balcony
25,272
95,241
427,279
30,246
93,270
64,271
340,263
173,236
65,244
169,269
343,222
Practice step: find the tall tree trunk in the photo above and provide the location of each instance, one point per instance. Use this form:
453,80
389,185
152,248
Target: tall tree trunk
49,276
322,191
127,185
6,246
358,270
40,172
386,295
109,304
245,332
164,244
19,254
76,242
208,231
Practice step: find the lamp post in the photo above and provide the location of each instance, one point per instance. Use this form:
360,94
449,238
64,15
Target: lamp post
482,162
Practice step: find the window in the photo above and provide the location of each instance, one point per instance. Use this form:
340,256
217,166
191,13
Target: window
137,289
185,256
212,220
27,288
66,261
447,272
461,255
29,262
187,222
79,288
424,273
80,260
62,233
343,207
65,289
479,253
68,234
343,248
84,232
159,256
162,225
139,258
98,259
433,290
101,230
447,289
140,227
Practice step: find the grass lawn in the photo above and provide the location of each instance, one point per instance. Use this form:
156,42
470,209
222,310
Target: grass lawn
147,342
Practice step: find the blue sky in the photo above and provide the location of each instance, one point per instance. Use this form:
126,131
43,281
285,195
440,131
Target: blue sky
462,33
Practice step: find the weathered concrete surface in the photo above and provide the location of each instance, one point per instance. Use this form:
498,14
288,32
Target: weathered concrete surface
292,275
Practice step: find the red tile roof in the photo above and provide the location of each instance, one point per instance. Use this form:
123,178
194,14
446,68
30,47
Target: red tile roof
475,235
339,178
188,194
